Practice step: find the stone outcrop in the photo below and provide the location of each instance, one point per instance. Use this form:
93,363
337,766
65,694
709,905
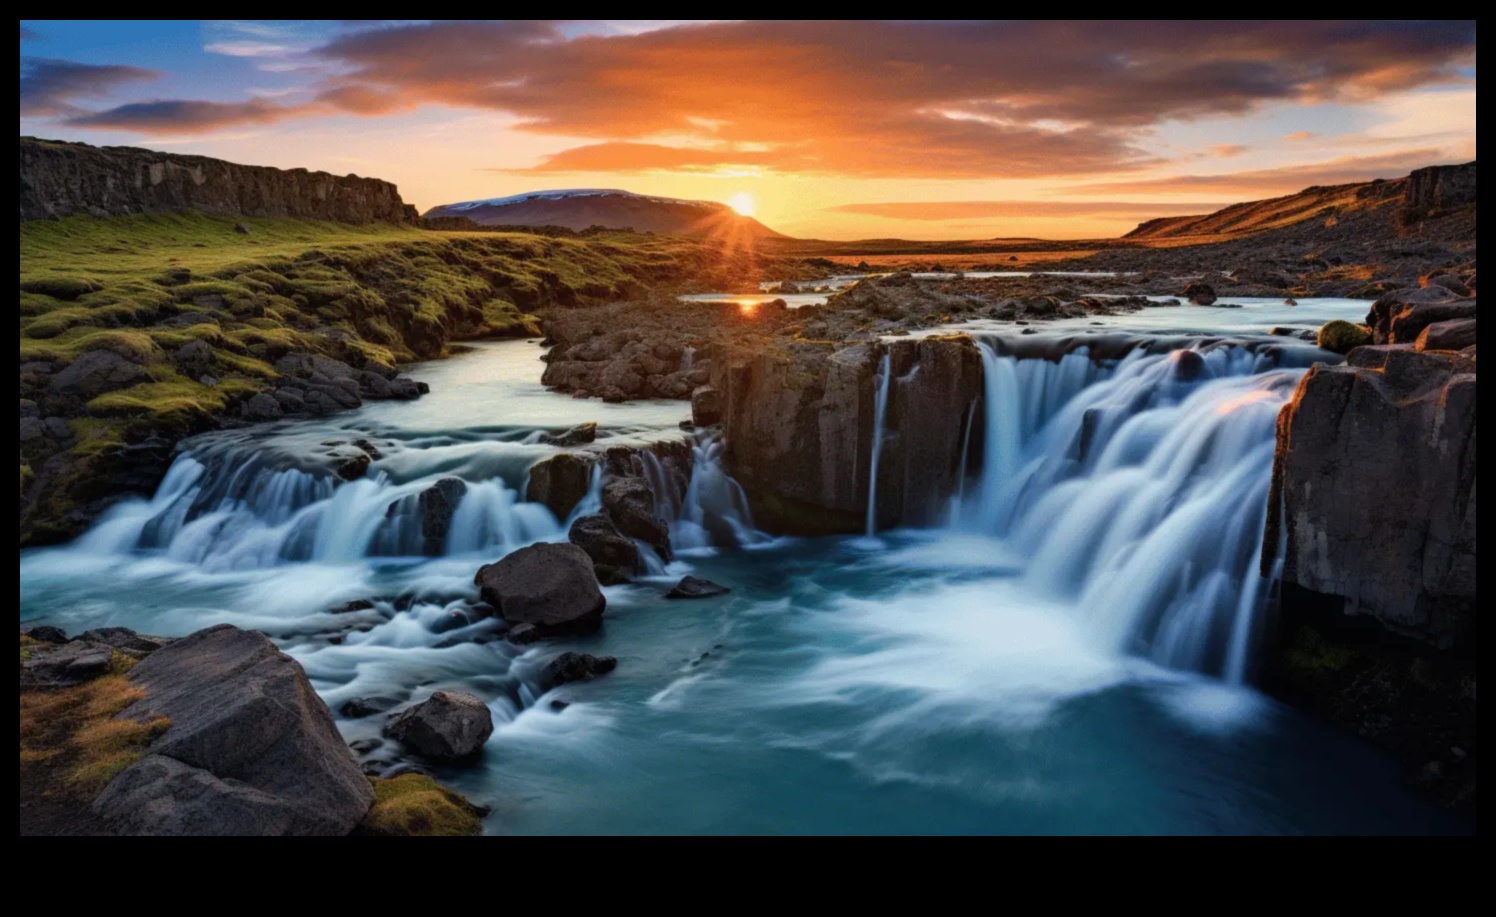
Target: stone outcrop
446,727
72,179
570,667
551,586
1440,187
799,423
1375,481
561,481
630,503
251,749
1399,316
614,556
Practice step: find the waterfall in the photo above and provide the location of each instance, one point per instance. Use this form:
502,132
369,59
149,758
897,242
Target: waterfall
226,509
687,358
705,506
1137,490
880,409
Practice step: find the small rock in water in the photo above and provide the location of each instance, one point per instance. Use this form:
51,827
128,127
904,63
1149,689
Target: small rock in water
360,707
365,746
570,667
692,588
579,435
350,607
523,634
447,727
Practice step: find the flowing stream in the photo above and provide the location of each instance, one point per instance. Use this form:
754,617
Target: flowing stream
1072,652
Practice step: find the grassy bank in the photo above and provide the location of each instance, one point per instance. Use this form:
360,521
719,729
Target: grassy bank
192,312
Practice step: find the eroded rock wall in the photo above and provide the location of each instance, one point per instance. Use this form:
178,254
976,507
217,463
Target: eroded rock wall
70,179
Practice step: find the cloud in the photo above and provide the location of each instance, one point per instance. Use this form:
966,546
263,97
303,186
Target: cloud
28,35
978,210
1270,182
1300,136
1228,150
914,99
53,87
174,116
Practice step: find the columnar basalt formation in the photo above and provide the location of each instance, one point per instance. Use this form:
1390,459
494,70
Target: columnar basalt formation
72,179
800,419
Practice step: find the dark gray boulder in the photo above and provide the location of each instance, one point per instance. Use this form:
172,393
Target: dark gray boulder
570,667
561,481
551,586
438,504
446,727
251,749
629,502
1200,294
65,665
614,557
692,588
97,372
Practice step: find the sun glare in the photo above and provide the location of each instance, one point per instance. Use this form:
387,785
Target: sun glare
742,202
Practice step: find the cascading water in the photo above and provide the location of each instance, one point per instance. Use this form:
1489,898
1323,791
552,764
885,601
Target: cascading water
880,411
1137,490
705,506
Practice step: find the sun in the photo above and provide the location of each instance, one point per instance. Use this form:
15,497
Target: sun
742,202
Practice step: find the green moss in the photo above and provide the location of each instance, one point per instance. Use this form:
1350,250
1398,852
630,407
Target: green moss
1311,653
66,288
1342,337
178,396
414,805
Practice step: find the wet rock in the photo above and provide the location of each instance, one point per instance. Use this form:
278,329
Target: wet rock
125,640
706,406
629,502
1451,335
360,707
692,588
353,467
438,504
1188,365
524,634
261,408
1398,317
1200,294
448,727
251,749
573,667
365,746
96,372
614,557
551,586
350,607
561,481
1375,476
579,435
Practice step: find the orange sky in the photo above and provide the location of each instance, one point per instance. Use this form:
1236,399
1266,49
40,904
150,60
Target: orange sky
933,129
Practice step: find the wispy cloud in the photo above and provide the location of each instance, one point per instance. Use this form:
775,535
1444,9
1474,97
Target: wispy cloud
1267,182
983,210
28,35
52,87
174,116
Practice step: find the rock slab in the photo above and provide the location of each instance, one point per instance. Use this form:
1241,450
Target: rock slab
251,749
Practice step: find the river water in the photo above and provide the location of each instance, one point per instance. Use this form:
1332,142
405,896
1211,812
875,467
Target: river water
1071,652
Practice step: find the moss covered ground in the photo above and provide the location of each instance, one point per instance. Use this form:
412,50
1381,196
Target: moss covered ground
414,805
147,287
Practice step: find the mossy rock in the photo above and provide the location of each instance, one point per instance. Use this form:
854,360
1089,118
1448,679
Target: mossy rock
1342,336
414,805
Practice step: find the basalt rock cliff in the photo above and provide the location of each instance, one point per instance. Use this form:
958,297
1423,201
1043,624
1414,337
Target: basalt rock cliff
70,179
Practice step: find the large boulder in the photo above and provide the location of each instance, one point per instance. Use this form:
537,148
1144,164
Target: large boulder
251,749
630,503
551,586
561,481
438,503
446,727
1452,335
1200,294
1375,478
1398,317
614,556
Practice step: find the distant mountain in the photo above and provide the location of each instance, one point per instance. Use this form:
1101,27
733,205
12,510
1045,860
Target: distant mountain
1436,188
584,207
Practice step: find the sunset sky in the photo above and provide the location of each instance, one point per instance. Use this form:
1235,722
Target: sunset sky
914,128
